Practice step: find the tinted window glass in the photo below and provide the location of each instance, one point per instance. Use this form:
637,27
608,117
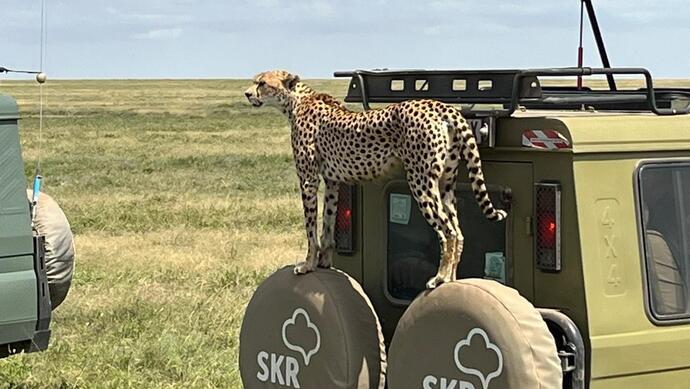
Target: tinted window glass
665,205
414,249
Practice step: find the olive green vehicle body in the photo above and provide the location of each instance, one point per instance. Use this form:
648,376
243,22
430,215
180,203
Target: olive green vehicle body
602,284
19,301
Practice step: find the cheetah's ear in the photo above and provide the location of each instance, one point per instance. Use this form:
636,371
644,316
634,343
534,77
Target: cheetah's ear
290,82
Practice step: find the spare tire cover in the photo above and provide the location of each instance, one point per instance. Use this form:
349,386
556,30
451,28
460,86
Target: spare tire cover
316,330
52,223
472,333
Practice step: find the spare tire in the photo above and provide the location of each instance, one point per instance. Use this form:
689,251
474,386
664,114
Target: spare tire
473,333
317,330
52,223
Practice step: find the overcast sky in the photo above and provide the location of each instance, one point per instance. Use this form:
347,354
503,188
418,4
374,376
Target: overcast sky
238,38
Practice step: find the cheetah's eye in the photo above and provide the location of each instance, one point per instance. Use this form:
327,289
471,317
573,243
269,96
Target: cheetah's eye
262,83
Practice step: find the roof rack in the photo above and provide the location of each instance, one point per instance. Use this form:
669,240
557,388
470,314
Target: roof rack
512,89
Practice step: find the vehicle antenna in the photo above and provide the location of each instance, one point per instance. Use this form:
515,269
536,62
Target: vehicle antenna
580,50
40,78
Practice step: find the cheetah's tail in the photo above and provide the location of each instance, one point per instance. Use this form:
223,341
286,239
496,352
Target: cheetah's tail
464,143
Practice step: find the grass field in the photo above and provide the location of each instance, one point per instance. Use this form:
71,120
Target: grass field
182,198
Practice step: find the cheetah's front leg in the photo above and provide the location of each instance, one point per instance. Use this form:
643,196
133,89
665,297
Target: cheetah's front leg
309,203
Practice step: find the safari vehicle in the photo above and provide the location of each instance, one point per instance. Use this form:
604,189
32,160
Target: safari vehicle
36,242
584,285
597,188
36,248
25,308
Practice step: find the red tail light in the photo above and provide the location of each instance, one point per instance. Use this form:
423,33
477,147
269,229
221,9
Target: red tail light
344,223
547,208
547,231
344,218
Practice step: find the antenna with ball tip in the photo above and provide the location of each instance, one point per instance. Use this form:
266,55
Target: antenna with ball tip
580,50
41,78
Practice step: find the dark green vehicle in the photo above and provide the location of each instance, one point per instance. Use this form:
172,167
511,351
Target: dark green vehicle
36,247
25,308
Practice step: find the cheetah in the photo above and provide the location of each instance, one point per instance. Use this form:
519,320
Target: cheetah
329,141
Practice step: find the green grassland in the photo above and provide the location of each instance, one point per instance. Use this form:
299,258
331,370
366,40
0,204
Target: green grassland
182,198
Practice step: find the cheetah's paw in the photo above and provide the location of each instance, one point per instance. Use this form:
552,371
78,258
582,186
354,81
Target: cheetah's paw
500,215
435,281
304,268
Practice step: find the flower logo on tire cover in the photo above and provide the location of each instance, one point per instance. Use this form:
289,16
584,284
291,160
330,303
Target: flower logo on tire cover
291,322
489,346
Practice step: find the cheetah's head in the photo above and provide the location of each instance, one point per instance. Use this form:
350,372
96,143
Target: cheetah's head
269,87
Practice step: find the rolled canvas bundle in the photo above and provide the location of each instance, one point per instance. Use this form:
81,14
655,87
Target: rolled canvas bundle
52,223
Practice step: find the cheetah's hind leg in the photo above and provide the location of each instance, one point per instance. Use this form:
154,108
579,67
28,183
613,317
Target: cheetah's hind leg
425,189
330,207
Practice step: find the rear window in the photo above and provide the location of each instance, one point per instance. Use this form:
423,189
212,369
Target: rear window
414,250
664,191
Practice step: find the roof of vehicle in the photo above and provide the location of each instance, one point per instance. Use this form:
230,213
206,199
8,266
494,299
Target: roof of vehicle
630,120
508,90
575,113
8,108
596,132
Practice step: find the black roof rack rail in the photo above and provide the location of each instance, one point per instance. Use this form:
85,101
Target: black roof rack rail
511,89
